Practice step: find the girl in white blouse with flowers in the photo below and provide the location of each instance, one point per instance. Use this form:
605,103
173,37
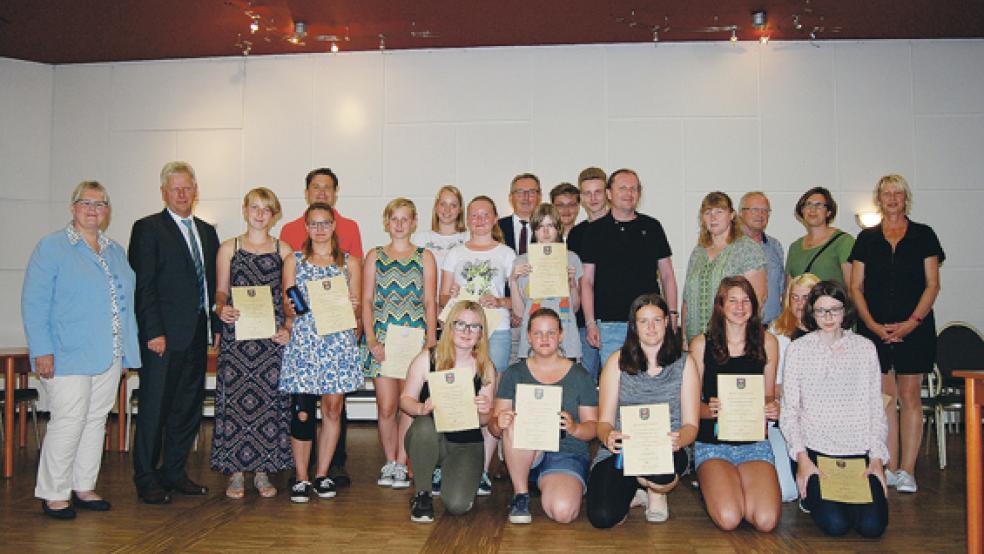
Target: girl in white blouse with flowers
832,408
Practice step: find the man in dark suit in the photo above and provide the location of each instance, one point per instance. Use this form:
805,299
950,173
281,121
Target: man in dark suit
524,197
173,255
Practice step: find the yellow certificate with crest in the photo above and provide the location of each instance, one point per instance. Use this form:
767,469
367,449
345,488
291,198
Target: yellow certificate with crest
256,319
549,276
843,480
648,449
401,346
742,413
492,315
331,305
453,394
537,422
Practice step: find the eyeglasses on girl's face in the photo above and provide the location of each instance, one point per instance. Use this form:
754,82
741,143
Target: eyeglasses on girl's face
464,326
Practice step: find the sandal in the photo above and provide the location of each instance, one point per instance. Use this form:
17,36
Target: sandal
237,486
263,485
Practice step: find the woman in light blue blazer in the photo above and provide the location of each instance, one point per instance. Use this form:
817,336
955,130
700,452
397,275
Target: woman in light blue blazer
77,308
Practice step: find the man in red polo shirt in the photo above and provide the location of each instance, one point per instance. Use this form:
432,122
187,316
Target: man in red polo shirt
322,186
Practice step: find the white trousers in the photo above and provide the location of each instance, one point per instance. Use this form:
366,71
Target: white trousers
73,443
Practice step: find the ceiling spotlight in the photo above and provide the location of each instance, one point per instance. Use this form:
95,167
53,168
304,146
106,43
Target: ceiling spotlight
382,42
758,19
254,25
334,47
655,34
734,33
300,31
764,39
796,22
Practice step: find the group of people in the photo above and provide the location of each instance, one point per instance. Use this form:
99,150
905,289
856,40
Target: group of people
620,338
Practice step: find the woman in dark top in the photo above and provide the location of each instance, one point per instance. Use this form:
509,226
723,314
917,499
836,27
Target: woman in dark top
650,369
460,454
737,479
895,281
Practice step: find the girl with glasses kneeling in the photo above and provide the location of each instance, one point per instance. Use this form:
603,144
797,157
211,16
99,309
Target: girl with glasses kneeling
460,454
832,413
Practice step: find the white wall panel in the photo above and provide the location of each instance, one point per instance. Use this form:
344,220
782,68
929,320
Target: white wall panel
959,299
458,85
568,82
871,146
651,147
348,120
279,123
948,152
217,156
488,156
722,153
25,129
80,130
225,214
948,77
12,328
563,147
797,80
417,159
798,152
23,222
187,94
873,78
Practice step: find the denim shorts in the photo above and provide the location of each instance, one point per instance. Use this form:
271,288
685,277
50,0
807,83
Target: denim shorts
561,462
734,454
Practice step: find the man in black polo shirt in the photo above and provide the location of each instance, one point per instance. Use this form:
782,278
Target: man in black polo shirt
625,254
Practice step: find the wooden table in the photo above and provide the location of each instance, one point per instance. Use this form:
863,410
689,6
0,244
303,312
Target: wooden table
14,361
974,390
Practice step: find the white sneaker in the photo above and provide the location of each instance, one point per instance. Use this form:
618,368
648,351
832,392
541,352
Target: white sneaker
386,474
904,482
890,479
400,477
641,498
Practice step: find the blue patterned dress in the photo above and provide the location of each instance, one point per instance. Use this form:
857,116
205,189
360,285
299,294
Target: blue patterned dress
251,415
398,298
319,364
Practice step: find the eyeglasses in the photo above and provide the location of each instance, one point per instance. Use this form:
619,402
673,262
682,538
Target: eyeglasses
757,210
462,326
97,204
815,205
319,225
526,192
829,312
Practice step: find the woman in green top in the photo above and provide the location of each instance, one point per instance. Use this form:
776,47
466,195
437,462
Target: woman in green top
824,250
722,251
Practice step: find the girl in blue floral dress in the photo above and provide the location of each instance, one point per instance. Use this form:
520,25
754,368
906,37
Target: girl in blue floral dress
318,365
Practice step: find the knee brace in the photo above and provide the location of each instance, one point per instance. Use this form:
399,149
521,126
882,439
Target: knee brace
303,430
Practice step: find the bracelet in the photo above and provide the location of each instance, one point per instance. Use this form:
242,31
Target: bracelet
592,322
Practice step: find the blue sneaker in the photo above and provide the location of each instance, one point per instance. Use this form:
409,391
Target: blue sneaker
519,509
485,485
436,482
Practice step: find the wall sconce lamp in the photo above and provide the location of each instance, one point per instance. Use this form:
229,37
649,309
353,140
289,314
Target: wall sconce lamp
868,218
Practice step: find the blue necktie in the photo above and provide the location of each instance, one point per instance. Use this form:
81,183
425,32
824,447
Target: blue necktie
196,255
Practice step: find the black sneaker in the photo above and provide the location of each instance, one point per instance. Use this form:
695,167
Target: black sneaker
339,476
422,508
300,492
324,486
519,509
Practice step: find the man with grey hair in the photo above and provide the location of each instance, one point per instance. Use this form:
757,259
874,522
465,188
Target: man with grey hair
173,256
754,210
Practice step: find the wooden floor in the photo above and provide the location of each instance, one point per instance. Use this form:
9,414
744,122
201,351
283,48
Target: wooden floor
372,519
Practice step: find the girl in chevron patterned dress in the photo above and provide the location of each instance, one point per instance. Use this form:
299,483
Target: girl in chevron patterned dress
400,288
251,415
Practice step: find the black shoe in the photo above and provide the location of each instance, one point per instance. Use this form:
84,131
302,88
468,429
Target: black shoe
339,476
300,492
154,494
64,513
324,487
94,505
187,486
422,508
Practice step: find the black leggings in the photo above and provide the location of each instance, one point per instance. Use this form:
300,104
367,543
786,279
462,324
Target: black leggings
610,492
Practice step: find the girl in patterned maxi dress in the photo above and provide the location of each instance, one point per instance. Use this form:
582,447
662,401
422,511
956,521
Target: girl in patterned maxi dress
250,413
399,288
325,366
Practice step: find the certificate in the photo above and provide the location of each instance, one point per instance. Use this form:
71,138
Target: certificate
401,346
843,480
492,315
330,305
549,276
648,450
742,413
453,394
255,305
537,422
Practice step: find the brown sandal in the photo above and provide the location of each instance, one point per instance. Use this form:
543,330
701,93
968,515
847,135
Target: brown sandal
263,485
237,486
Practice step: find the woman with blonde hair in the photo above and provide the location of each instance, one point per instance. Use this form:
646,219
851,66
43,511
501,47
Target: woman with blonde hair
398,288
248,371
721,251
447,228
460,454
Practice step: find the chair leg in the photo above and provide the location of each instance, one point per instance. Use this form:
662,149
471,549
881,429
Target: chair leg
34,416
941,435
